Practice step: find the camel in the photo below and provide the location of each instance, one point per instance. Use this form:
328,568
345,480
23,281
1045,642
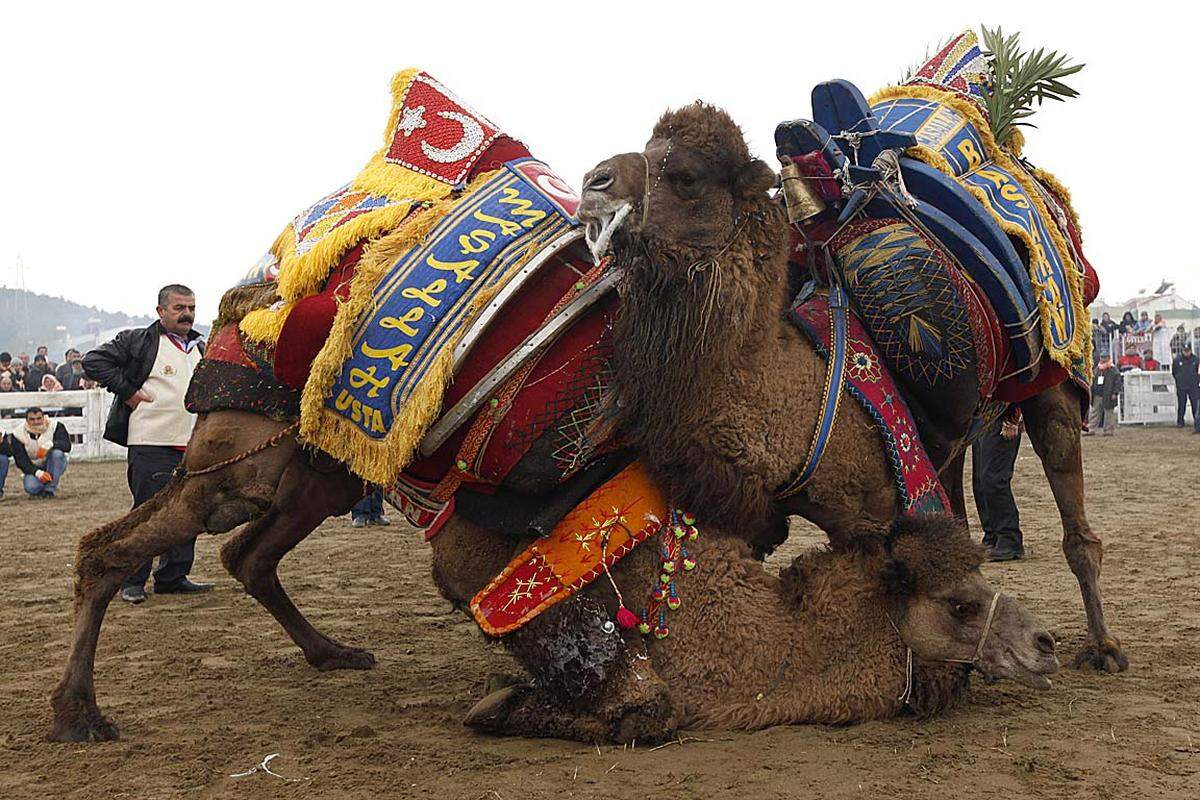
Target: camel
749,649
720,393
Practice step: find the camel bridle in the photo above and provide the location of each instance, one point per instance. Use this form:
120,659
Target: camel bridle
972,662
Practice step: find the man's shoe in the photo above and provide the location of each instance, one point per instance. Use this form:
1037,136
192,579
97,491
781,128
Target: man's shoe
1006,552
133,594
358,522
183,586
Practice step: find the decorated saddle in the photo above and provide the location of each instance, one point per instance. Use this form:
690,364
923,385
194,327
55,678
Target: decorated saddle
916,204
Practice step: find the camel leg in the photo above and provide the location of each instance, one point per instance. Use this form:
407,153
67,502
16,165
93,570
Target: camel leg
305,499
1052,419
214,502
106,556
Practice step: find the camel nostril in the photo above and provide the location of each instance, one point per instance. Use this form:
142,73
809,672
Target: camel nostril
1045,643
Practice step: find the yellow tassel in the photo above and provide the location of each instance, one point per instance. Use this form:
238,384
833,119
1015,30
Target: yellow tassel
264,325
1081,340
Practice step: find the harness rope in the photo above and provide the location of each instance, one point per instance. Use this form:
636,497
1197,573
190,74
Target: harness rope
183,472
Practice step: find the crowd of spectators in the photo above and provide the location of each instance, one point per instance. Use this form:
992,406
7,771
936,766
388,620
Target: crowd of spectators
1141,342
20,374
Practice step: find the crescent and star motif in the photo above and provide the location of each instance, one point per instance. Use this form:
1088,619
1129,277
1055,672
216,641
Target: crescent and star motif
472,137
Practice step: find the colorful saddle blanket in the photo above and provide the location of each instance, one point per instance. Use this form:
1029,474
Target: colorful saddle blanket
924,152
387,274
870,382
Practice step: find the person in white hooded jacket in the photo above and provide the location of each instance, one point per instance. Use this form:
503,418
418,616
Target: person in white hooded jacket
40,450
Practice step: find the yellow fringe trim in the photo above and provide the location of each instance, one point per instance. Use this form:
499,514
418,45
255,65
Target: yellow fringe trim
264,325
381,460
302,275
1081,340
1057,187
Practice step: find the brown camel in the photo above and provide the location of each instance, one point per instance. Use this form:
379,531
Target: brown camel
828,641
721,393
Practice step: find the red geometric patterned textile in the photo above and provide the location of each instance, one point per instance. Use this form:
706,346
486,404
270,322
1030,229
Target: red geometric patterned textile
868,379
436,134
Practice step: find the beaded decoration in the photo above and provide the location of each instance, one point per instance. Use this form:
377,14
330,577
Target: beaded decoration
675,559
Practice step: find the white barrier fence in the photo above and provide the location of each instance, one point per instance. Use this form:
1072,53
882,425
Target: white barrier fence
83,413
1148,398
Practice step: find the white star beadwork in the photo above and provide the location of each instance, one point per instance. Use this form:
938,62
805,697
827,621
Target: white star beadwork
411,119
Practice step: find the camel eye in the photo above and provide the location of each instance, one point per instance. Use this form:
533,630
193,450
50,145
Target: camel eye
964,609
684,180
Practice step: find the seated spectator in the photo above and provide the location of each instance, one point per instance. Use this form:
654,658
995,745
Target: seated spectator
6,382
40,451
50,384
1148,361
1129,361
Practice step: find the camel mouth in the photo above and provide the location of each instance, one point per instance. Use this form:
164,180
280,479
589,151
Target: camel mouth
599,231
1034,675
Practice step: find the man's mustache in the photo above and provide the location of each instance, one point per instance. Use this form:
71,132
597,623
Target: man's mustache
187,319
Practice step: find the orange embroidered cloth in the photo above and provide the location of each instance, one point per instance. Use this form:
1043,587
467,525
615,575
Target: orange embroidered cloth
623,512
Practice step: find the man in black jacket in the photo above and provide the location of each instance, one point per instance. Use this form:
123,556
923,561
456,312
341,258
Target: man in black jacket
1186,371
40,452
148,369
1106,395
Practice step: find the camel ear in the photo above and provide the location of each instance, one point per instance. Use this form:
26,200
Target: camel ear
898,579
754,178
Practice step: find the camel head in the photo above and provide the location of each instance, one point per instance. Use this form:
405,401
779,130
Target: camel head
685,193
932,575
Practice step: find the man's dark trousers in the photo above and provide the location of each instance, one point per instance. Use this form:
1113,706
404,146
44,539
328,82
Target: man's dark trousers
992,460
149,470
1183,396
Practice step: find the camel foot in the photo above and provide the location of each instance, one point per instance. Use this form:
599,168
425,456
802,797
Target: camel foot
344,658
1103,656
81,721
495,681
490,715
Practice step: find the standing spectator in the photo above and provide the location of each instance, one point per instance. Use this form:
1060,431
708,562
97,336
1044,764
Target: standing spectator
33,378
1106,391
44,352
5,450
993,457
70,372
6,362
1178,340
40,451
148,369
6,383
1128,323
1110,327
369,511
1186,371
1143,323
1160,340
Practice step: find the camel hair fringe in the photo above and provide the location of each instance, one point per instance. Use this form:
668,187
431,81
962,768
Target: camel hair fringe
1081,340
380,461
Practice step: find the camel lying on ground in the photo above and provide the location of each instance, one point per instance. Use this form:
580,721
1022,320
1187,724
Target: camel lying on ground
828,641
721,393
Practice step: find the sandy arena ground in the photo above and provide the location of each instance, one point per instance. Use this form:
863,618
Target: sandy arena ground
206,687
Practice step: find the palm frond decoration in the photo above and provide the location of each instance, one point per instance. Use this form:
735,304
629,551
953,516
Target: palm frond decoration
1022,79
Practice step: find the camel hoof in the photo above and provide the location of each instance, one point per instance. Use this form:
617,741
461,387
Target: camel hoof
490,715
347,658
82,724
496,681
1106,656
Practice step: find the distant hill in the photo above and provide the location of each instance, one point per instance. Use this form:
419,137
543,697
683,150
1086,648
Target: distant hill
28,319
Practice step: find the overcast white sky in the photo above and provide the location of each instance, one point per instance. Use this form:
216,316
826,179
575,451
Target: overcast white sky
142,144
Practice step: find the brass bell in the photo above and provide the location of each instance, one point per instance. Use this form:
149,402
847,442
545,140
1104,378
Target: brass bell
799,195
